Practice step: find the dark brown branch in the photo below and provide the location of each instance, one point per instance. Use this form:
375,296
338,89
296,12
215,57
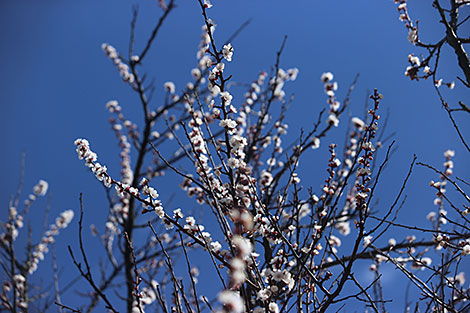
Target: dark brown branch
87,272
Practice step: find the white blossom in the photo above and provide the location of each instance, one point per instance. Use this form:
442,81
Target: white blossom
177,214
242,245
41,188
412,35
207,4
449,153
367,241
226,98
196,73
316,143
227,52
466,250
292,73
233,163
263,294
273,307
170,87
326,77
332,119
228,123
414,60
358,123
215,246
231,300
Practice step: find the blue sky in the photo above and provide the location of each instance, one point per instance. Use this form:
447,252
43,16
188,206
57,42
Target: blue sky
56,81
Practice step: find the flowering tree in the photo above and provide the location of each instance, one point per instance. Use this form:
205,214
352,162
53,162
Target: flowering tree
275,244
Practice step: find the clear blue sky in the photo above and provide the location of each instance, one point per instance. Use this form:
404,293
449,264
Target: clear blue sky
55,81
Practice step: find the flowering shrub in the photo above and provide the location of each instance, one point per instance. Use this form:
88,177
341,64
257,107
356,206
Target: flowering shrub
274,244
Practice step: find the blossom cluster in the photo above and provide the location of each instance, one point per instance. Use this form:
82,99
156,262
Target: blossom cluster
330,88
440,187
121,122
277,82
405,18
85,153
116,59
416,64
367,147
15,219
20,287
145,297
61,222
39,190
15,223
151,203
